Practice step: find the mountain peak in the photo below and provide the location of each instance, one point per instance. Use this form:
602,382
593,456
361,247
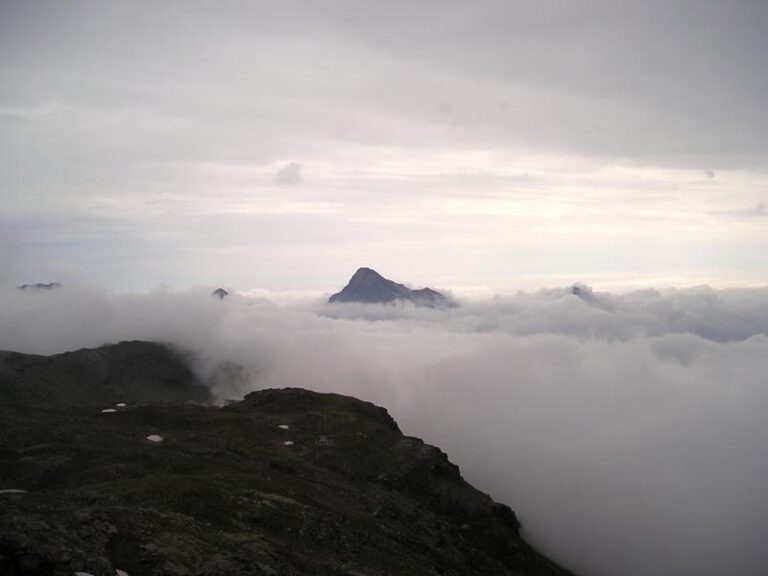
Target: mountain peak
370,287
220,293
364,272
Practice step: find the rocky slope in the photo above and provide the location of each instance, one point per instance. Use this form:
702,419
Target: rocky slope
124,372
369,287
284,482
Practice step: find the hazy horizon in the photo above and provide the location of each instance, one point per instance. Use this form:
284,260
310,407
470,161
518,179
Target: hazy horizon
321,289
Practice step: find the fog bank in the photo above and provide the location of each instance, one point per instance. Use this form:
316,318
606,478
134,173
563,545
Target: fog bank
627,431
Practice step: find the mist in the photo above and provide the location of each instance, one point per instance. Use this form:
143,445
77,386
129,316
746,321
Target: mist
626,430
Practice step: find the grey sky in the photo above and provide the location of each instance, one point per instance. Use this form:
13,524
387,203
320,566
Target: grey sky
473,145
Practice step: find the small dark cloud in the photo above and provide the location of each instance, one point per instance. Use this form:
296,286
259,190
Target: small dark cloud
445,111
710,174
759,210
289,175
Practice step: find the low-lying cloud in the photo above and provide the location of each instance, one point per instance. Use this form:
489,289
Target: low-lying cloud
627,431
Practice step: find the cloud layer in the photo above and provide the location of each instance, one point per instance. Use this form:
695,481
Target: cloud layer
628,431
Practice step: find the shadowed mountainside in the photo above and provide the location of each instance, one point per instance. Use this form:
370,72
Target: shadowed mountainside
124,372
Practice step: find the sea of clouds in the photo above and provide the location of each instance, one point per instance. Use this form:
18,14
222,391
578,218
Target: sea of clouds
628,431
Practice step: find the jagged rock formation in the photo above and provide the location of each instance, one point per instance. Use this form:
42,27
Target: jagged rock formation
124,372
220,293
588,296
40,286
370,287
285,482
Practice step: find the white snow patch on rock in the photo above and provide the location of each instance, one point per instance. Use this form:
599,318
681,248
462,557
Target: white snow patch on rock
154,438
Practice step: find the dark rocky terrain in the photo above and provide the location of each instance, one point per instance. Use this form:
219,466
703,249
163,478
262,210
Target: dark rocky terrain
370,287
284,482
125,372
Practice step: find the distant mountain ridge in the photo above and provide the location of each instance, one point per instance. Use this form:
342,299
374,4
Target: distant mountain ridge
125,372
40,286
369,287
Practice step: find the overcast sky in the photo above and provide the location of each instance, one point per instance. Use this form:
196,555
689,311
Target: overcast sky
479,146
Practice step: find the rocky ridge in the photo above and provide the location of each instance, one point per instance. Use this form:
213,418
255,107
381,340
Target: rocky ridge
126,372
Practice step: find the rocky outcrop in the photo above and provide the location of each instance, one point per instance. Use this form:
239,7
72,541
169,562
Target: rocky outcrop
369,287
220,293
285,481
124,372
